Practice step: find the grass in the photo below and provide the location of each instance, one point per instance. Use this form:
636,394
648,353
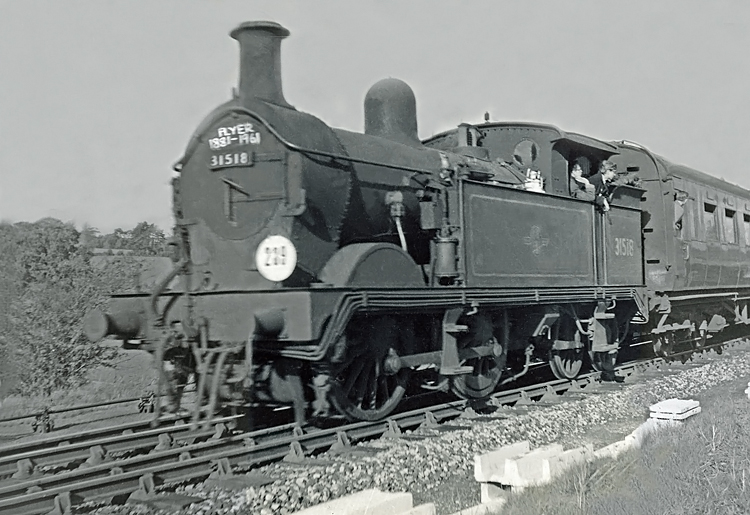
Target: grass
131,376
700,468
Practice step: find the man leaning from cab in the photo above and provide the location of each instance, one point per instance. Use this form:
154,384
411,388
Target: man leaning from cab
601,181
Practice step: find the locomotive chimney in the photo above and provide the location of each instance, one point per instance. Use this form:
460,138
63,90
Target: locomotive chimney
260,61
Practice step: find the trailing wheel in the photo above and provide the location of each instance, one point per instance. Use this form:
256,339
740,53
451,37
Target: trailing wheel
566,364
601,361
664,344
366,385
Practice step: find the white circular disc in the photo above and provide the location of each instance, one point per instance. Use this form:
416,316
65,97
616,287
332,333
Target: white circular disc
276,258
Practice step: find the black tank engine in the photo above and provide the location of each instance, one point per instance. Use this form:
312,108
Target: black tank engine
333,270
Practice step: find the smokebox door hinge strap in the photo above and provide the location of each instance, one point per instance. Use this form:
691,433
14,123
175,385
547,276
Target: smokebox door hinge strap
296,196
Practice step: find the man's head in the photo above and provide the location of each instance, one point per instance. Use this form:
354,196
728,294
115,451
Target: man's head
576,172
608,170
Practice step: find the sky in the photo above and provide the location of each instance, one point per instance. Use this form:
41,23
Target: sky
98,98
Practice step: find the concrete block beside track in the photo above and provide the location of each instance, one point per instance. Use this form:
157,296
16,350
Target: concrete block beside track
614,450
371,502
528,469
422,509
675,409
558,464
516,467
650,426
491,492
491,463
664,414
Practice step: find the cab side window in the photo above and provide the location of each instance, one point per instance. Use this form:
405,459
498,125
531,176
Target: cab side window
746,228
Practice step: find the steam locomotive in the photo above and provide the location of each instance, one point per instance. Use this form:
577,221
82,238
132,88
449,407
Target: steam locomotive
331,270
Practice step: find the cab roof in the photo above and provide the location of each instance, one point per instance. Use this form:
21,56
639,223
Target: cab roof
572,137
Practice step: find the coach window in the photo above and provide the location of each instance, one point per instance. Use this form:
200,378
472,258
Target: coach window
709,222
746,228
730,230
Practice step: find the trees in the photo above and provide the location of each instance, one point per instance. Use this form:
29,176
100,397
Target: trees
147,240
89,236
144,239
48,283
10,274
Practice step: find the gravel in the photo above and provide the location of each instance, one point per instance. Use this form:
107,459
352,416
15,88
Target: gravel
439,468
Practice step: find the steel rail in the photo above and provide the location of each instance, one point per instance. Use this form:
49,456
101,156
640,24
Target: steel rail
117,478
79,407
107,480
81,436
81,450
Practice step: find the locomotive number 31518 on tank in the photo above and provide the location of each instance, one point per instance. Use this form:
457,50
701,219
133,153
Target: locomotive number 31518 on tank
624,247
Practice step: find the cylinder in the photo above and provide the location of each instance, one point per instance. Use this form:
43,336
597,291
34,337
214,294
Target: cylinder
260,61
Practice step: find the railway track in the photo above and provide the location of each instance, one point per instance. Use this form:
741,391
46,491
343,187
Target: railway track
80,407
18,461
110,465
59,439
96,406
111,479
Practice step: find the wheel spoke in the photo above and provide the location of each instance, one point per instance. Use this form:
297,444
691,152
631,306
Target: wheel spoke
372,390
364,388
482,381
364,391
566,364
480,368
383,389
352,375
360,384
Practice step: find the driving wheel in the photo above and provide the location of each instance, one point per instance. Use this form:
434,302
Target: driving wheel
365,385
